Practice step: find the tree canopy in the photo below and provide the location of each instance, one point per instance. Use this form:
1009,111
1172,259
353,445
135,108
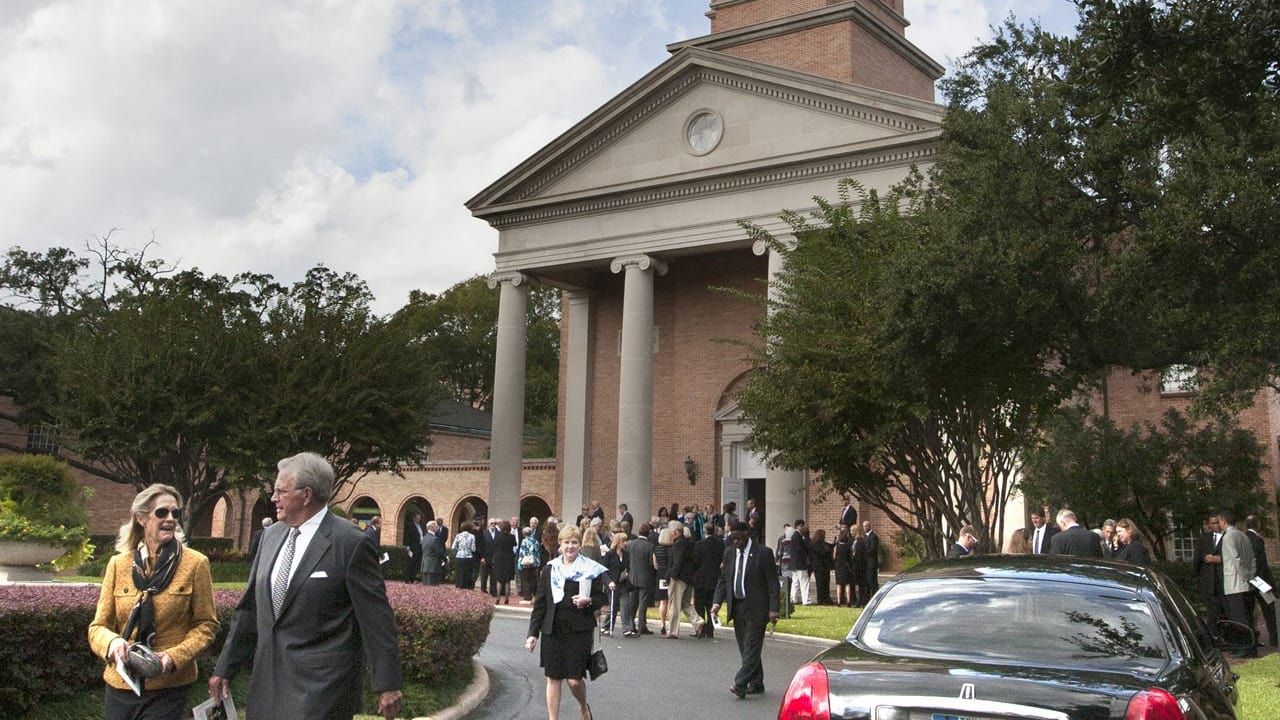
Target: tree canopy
1105,200
200,381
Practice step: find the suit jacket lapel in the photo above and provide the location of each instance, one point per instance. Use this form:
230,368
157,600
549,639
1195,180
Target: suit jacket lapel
271,544
316,550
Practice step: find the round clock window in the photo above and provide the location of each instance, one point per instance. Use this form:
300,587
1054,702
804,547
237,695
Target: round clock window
703,132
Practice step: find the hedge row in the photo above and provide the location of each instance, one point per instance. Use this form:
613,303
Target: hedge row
46,650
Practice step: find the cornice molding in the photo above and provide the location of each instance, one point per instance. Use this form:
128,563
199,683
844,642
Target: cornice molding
738,182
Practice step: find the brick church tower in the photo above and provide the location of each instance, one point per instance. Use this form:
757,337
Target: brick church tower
861,43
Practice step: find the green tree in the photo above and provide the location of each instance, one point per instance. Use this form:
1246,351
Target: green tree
1141,159
201,382
343,382
1166,477
457,330
916,390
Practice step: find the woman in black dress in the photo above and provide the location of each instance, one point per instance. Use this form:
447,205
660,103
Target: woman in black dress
1132,549
820,560
844,568
504,562
570,592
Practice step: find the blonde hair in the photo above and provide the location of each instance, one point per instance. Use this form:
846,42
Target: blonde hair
131,533
590,538
569,531
619,540
664,537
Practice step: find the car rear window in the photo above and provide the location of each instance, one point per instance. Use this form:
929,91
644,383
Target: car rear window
1037,622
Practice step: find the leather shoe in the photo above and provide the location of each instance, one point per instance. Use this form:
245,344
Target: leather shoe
740,692
755,689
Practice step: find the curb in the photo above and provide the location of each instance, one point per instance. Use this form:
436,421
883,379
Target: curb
471,698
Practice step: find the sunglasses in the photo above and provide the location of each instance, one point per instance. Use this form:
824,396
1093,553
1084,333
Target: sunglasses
162,513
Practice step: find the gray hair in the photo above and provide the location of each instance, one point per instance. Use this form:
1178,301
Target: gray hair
310,470
266,522
1065,515
130,534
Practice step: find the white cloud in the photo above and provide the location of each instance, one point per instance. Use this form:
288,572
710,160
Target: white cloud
274,136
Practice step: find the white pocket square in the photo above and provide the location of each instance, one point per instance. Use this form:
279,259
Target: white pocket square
319,574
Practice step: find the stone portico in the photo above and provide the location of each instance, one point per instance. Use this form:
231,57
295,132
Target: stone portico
634,213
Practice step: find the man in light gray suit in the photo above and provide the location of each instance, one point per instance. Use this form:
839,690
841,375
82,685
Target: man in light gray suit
1237,570
314,609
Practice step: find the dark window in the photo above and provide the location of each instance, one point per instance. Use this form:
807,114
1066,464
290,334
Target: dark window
1036,622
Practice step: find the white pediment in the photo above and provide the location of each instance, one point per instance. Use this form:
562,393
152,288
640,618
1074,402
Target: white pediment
770,117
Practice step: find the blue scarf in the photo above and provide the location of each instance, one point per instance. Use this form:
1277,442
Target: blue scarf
584,568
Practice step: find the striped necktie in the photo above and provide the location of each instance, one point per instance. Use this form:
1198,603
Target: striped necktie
280,583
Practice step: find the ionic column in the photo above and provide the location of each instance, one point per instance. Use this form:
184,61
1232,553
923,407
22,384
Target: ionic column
577,401
785,493
635,384
506,451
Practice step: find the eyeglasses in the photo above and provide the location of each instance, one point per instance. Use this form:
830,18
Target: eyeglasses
282,491
163,513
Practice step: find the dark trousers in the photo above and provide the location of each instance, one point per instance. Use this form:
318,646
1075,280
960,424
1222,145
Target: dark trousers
1234,604
749,632
702,598
633,611
465,570
166,704
822,581
1254,600
487,583
528,582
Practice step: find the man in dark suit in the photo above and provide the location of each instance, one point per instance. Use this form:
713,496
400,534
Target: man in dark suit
749,583
964,544
706,557
849,515
643,572
1074,540
256,542
624,517
871,551
486,543
315,608
1041,535
1208,567
413,534
1262,570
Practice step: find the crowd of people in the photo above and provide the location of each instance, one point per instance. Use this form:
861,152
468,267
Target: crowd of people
580,578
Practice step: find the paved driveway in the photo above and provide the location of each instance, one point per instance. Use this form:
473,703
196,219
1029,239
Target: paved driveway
649,676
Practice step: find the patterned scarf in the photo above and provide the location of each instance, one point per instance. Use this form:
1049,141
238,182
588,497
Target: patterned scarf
142,617
583,568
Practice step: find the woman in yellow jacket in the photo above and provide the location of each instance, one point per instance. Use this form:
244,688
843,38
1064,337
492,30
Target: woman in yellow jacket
159,593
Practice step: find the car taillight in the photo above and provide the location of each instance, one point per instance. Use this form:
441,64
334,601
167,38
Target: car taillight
807,697
1154,704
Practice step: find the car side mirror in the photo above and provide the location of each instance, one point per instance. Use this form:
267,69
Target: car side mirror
1235,636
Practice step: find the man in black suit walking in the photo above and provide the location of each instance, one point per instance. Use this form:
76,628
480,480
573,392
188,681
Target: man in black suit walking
707,555
749,583
1073,539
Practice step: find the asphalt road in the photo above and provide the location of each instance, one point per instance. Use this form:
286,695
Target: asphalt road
683,678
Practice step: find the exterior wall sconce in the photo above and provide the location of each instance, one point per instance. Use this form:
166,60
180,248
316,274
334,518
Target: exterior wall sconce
691,469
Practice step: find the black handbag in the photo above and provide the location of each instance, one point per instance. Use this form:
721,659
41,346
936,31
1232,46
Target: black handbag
597,665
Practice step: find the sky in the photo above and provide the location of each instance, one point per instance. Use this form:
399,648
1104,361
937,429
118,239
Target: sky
274,135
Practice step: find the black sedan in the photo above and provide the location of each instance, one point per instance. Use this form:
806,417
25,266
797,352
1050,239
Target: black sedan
1014,637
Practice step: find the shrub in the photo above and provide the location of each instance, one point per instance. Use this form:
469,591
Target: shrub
40,500
215,548
45,630
440,628
46,649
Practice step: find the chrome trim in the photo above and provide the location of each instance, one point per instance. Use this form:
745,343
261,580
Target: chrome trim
956,706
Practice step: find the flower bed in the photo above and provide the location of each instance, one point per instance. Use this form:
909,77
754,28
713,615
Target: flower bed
46,647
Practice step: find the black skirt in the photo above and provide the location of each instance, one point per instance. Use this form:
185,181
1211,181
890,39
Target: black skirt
566,650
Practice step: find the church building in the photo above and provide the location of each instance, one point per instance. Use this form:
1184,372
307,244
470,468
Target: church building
634,214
